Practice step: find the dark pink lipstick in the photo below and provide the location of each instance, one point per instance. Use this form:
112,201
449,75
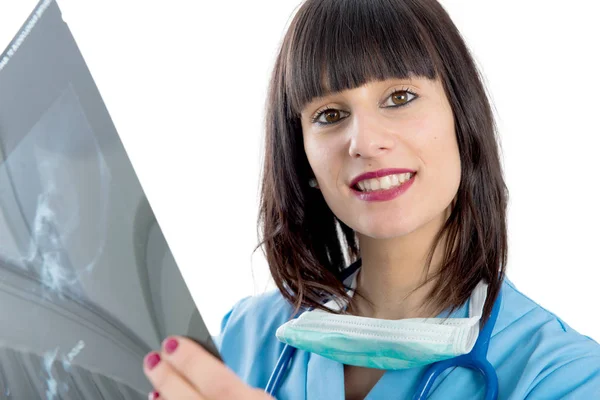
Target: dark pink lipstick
382,194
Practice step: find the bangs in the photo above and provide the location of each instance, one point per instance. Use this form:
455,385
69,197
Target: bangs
342,44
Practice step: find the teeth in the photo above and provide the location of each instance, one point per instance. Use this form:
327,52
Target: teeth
384,183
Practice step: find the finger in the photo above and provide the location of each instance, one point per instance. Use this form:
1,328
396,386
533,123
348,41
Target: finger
167,380
206,373
155,396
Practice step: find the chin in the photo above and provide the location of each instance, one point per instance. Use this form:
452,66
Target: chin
385,229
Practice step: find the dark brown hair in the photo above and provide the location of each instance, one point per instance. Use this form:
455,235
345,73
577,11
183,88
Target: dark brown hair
333,45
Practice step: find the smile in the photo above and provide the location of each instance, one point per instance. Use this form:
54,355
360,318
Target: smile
384,188
383,183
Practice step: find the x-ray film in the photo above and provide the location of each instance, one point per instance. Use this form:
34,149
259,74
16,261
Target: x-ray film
88,285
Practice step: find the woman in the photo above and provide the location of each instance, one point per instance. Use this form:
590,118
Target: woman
381,154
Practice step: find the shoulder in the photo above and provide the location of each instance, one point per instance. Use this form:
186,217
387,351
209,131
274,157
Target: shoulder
541,353
247,341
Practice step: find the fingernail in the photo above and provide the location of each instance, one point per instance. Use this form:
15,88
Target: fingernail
152,359
153,395
171,345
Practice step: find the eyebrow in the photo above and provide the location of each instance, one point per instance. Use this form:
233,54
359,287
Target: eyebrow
327,94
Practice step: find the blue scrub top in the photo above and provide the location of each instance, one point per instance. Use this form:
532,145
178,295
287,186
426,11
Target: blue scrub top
536,356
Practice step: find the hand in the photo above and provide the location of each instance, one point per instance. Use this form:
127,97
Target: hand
184,370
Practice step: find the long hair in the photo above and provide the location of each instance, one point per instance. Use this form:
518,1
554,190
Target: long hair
333,45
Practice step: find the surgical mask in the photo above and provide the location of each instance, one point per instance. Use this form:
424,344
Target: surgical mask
381,343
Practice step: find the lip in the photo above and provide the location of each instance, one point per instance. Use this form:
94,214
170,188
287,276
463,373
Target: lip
387,194
380,174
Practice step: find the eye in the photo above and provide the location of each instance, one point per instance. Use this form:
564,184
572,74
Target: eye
329,116
400,98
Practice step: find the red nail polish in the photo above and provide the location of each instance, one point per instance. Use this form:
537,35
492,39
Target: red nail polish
153,395
171,345
152,359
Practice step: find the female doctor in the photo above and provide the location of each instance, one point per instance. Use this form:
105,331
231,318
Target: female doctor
383,215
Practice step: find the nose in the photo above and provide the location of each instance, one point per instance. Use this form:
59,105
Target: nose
369,136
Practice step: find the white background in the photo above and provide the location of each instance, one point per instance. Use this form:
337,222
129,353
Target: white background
185,84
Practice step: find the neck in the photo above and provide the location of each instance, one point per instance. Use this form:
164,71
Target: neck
391,271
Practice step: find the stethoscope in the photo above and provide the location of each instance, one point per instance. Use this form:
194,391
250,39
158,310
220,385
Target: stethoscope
476,359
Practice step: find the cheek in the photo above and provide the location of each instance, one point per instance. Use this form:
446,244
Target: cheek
442,160
314,154
435,138
322,156
436,146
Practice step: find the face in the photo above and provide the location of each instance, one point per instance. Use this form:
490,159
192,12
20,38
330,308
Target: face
380,128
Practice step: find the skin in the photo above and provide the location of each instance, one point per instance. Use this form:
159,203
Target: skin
377,125
381,125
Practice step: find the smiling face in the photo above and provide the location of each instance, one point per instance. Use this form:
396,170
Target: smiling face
382,125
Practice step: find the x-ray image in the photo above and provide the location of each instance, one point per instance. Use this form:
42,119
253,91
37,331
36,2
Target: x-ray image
88,285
